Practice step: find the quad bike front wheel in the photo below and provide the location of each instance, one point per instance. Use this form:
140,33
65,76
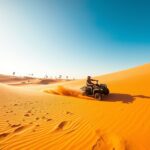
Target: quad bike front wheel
98,96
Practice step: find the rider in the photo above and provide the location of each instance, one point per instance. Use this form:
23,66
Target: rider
89,82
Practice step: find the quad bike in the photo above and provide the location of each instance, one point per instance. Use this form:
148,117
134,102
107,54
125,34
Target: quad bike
97,91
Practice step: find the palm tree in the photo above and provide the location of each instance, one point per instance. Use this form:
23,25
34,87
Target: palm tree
60,76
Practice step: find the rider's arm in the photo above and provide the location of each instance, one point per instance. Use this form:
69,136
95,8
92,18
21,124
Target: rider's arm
93,80
89,83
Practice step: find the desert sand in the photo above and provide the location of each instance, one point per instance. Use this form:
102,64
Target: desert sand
57,117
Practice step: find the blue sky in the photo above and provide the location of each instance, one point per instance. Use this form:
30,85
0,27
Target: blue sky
75,38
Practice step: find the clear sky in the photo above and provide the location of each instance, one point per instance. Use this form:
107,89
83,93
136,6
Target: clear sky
73,37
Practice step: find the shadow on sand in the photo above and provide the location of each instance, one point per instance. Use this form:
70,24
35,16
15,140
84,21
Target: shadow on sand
125,98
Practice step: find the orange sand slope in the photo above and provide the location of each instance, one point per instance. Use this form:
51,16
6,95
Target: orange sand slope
32,119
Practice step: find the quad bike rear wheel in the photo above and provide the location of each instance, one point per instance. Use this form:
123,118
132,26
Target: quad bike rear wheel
98,96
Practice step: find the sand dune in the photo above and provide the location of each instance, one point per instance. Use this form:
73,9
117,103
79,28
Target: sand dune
15,80
61,119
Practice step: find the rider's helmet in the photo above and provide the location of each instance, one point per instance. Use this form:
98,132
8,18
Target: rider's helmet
88,77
